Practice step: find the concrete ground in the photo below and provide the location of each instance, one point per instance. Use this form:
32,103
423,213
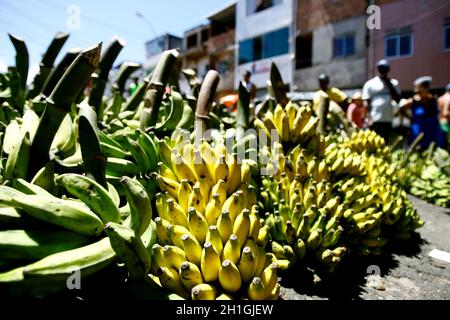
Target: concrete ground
409,273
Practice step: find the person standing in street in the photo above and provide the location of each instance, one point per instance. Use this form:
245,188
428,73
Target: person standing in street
444,113
334,94
250,86
379,94
425,114
356,111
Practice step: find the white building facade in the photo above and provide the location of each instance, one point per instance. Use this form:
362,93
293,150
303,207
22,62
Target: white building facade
265,32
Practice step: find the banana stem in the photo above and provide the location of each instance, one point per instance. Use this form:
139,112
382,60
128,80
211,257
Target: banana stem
278,86
46,64
22,58
58,71
205,100
243,108
155,89
59,104
133,102
324,106
413,146
125,71
94,160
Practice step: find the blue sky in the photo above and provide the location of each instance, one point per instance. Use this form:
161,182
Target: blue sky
37,21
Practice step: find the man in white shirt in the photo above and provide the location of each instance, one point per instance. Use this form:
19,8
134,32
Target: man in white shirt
378,93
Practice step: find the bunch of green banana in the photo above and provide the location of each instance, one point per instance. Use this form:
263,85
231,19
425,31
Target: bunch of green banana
129,154
425,175
65,233
210,244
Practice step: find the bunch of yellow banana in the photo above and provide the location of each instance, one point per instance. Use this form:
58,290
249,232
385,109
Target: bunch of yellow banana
294,123
367,141
210,244
305,215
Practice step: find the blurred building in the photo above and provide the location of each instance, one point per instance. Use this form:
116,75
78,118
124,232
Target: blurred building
155,47
415,38
264,30
212,45
331,39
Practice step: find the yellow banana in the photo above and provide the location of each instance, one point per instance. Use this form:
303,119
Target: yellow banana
165,171
157,258
184,191
220,188
245,173
182,169
161,230
256,290
234,173
213,209
230,277
177,214
263,236
213,236
197,225
210,263
174,256
170,279
196,199
232,249
254,226
241,225
269,278
203,291
192,248
175,233
225,225
221,170
190,275
247,265
166,184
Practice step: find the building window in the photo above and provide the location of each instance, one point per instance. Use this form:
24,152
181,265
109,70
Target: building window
271,44
344,46
276,43
398,45
205,35
254,6
447,35
303,50
192,41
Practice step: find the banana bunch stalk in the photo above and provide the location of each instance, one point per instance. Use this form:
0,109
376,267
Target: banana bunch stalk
209,241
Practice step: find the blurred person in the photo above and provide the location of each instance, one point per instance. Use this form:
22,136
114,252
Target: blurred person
425,114
250,86
356,111
378,94
134,85
335,95
444,113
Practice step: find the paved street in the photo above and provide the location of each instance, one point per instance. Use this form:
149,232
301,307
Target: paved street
409,273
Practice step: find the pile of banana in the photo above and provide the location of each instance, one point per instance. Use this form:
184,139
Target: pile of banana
46,238
336,197
210,243
425,175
